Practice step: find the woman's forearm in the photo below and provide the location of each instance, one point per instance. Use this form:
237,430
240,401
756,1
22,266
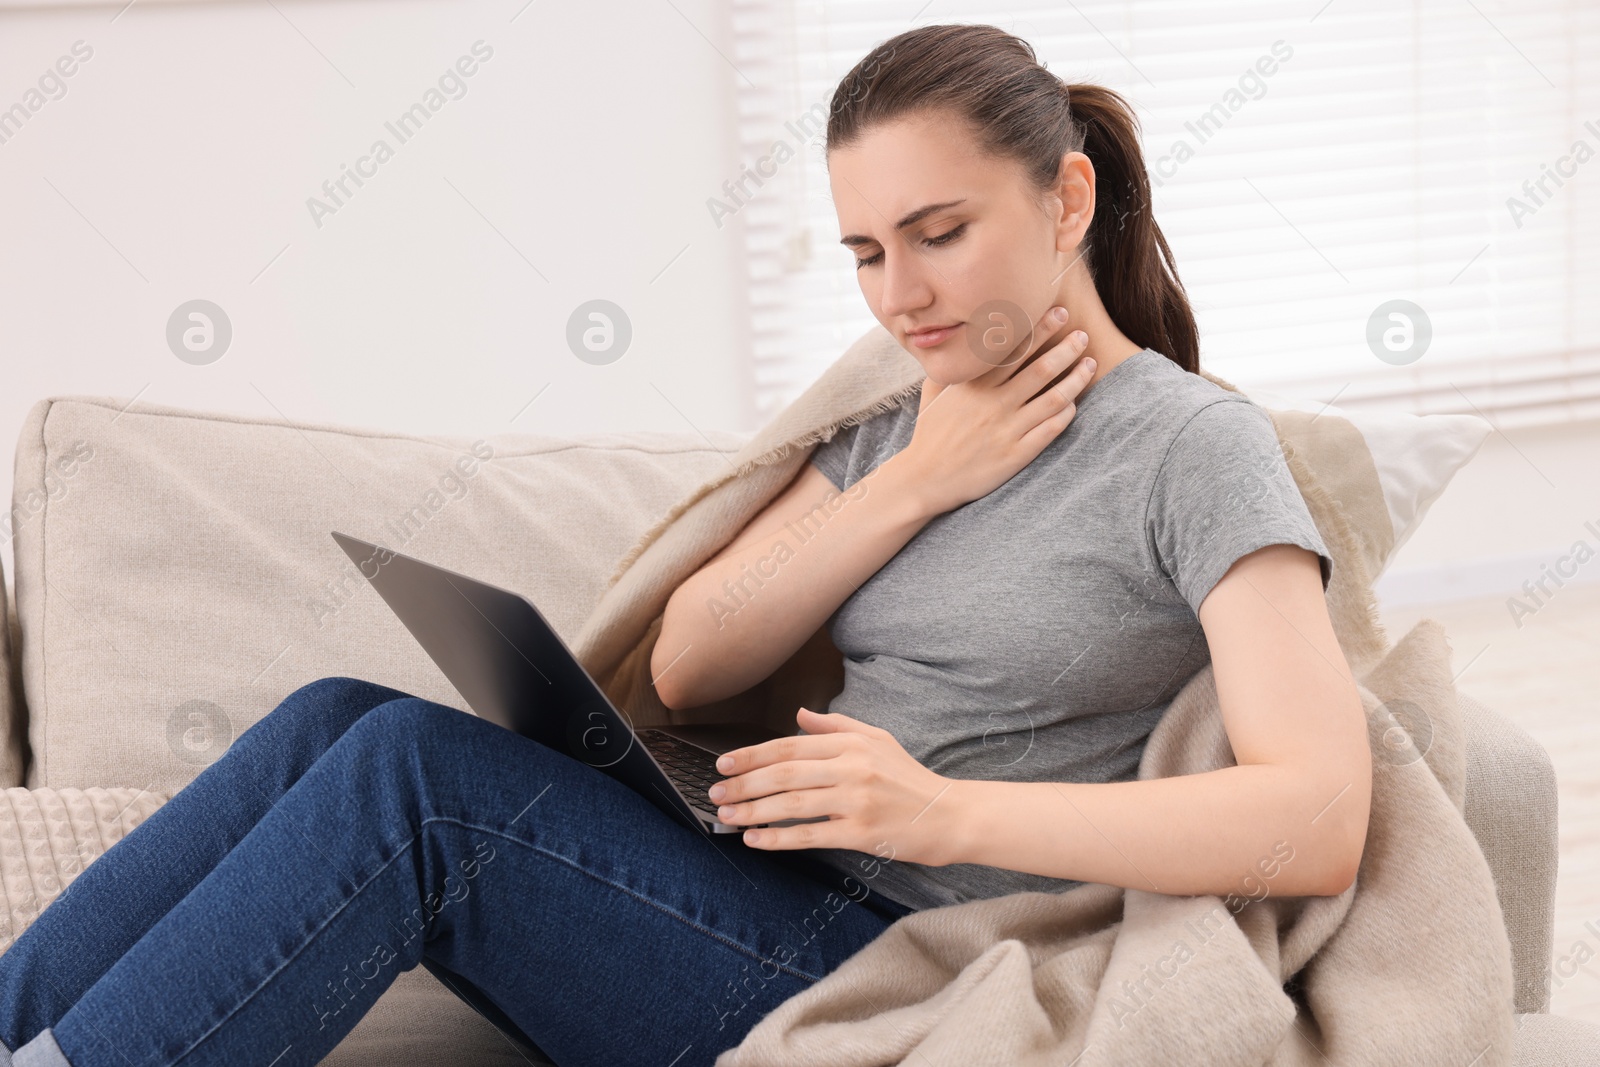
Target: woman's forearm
1245,831
731,624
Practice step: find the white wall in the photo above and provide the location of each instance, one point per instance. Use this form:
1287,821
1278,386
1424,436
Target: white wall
179,161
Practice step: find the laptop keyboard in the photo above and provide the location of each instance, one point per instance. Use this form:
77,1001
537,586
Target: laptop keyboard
692,769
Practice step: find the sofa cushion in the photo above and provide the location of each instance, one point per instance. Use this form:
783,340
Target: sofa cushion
418,1021
47,838
185,581
1384,469
1554,1041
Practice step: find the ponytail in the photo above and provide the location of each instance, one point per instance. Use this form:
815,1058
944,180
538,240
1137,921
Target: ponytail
1128,256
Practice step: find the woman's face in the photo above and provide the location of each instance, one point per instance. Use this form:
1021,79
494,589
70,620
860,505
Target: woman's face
985,259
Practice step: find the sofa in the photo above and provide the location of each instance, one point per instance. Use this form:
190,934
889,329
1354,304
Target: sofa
174,578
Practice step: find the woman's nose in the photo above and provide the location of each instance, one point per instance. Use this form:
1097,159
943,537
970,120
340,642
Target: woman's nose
905,284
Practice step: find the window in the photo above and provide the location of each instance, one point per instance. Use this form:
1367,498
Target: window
1443,152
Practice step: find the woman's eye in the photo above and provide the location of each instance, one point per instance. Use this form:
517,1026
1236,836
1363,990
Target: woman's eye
942,239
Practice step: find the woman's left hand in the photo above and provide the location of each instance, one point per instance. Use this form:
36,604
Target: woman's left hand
877,797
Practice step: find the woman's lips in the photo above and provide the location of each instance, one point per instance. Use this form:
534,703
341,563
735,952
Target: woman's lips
933,337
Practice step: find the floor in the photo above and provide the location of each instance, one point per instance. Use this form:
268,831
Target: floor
1545,675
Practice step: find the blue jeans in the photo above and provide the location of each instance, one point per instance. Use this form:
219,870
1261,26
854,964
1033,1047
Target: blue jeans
355,832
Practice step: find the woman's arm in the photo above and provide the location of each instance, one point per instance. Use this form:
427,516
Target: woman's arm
747,609
1302,787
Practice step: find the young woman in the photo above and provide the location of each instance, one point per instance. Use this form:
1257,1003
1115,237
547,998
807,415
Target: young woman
1030,563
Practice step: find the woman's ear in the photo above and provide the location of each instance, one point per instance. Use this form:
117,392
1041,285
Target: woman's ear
1075,192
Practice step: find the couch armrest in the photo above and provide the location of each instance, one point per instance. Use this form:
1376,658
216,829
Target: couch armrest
1511,808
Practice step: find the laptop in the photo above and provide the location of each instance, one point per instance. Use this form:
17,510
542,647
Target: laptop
513,669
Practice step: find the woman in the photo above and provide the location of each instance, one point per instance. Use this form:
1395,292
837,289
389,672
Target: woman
1032,561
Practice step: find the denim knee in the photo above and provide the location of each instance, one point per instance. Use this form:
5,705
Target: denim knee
406,724
321,711
410,746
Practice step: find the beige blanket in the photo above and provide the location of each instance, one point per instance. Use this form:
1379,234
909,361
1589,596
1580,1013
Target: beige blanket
1411,965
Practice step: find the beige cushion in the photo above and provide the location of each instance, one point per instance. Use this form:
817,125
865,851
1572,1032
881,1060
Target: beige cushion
185,582
419,1022
48,836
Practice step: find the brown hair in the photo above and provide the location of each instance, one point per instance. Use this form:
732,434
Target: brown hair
1019,110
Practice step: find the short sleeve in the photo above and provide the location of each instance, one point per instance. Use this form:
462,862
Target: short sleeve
832,457
1224,490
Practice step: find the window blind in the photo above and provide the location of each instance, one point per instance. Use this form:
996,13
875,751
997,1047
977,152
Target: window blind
1443,153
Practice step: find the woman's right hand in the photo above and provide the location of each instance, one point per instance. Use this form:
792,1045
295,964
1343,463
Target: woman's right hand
982,432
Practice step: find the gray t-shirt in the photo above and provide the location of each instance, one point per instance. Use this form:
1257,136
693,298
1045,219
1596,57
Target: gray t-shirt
1039,632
